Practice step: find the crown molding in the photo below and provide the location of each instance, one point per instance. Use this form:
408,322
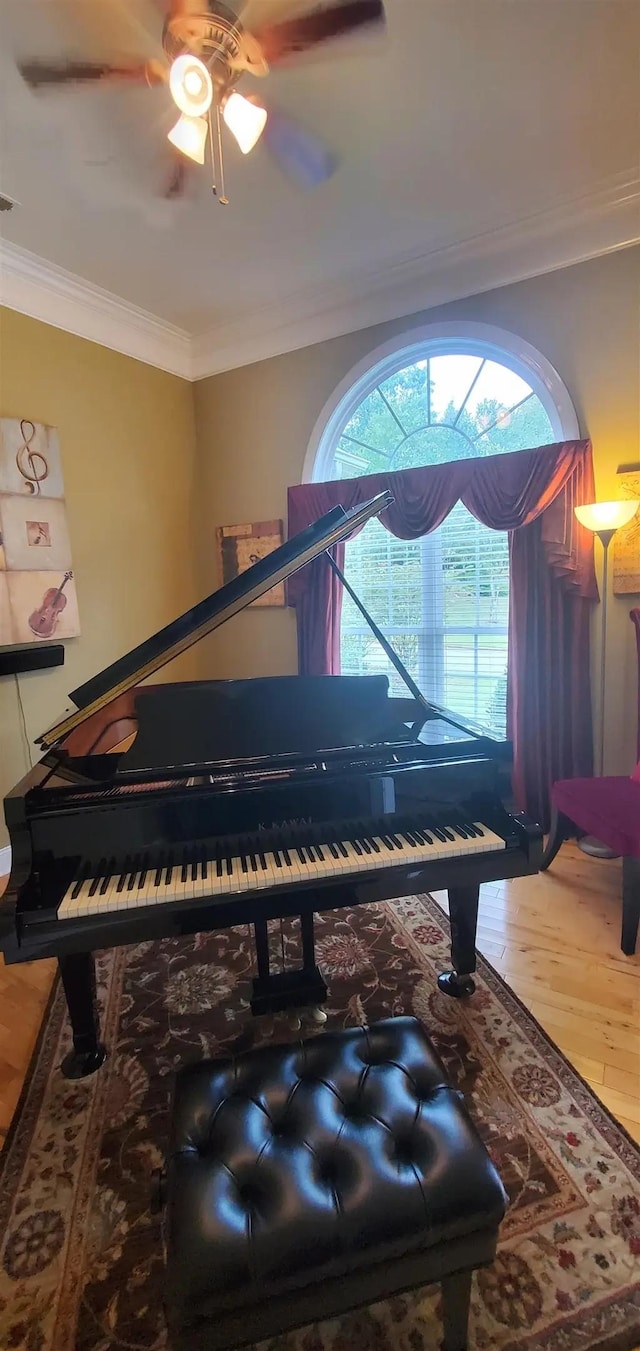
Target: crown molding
50,293
570,232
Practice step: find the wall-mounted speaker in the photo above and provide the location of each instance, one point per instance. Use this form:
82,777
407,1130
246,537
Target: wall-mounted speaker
30,657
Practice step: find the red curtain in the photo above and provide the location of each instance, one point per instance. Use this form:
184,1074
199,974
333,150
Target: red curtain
531,494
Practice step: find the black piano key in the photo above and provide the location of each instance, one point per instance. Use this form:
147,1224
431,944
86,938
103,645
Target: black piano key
124,874
365,844
342,850
158,873
82,877
411,837
219,862
473,829
109,871
333,850
194,870
135,868
243,862
253,866
357,847
374,845
287,857
204,867
263,862
99,874
439,834
301,854
319,852
396,840
184,873
277,858
388,843
229,866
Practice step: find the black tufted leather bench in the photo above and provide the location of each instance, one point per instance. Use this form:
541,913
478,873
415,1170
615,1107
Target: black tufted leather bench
304,1180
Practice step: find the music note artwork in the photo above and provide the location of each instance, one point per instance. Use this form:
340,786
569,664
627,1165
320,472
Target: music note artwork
38,598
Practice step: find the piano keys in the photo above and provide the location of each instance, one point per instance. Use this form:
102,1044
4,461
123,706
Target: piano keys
246,801
264,862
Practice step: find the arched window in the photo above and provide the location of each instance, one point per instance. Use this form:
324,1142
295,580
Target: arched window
446,393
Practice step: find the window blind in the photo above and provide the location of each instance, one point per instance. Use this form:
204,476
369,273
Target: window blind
442,602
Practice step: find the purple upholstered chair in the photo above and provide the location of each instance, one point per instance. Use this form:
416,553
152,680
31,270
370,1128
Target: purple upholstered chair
609,809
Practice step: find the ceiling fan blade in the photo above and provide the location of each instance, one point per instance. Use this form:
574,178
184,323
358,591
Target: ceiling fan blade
303,156
42,74
281,41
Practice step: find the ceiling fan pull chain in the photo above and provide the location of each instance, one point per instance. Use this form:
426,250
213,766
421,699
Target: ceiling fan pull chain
213,157
217,155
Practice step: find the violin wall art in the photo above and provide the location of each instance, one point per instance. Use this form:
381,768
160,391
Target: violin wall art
38,598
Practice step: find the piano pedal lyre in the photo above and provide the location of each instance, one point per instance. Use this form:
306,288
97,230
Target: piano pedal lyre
301,989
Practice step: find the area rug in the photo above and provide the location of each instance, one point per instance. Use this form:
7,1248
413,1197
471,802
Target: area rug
81,1255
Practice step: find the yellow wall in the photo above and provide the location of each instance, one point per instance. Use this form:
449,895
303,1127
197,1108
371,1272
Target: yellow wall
253,426
127,443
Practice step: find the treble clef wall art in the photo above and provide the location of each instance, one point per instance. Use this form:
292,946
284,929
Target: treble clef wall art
37,588
32,464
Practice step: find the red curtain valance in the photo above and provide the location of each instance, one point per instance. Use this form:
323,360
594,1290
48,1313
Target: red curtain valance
533,494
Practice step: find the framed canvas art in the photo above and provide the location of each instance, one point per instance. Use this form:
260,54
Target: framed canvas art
240,546
626,542
38,598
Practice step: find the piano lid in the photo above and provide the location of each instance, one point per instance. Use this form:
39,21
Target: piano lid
210,614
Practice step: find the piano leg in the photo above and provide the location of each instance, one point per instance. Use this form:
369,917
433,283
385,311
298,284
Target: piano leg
78,974
463,916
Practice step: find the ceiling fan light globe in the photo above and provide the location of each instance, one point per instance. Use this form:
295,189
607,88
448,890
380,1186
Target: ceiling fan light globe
190,85
190,137
245,119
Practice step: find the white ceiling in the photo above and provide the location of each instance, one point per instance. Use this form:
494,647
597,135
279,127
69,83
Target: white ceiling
470,118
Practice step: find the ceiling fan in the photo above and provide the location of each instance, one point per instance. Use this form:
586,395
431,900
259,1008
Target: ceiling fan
207,51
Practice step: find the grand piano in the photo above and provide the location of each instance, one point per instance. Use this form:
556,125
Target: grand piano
169,809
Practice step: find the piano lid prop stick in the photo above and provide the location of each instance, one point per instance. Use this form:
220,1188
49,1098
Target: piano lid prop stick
393,656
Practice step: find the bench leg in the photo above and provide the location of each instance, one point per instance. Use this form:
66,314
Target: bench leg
456,1298
630,904
561,829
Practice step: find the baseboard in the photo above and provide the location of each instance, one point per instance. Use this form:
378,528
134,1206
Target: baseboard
5,860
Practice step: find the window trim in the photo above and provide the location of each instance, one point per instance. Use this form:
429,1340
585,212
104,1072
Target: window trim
437,339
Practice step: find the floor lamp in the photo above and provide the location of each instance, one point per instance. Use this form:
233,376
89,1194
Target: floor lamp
603,518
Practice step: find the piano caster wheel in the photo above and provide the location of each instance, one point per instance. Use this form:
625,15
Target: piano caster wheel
457,987
80,1064
316,1015
294,1022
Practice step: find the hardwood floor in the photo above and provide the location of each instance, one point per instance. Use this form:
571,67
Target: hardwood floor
556,940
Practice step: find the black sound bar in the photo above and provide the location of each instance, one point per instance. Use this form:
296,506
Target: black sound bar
30,657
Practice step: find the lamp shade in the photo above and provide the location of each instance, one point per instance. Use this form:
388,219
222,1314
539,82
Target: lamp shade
190,136
607,515
190,85
245,120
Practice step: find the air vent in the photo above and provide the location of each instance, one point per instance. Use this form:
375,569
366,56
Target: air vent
6,204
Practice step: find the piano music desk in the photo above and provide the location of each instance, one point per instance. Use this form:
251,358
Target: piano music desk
554,938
